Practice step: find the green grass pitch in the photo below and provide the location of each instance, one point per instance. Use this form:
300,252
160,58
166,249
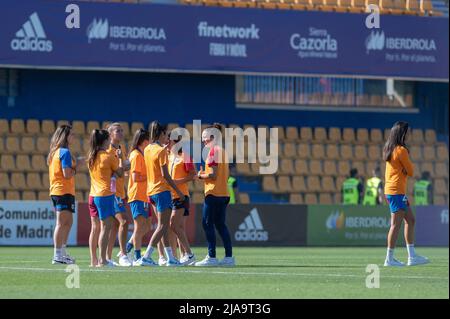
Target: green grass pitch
26,272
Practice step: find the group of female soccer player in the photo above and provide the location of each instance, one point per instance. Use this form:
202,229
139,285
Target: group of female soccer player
158,181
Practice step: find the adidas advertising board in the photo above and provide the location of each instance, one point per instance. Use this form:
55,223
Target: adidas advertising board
261,225
118,36
31,36
251,229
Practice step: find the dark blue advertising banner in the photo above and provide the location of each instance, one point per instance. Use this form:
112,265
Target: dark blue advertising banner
432,226
114,36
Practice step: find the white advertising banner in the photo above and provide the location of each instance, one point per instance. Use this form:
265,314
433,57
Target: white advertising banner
30,223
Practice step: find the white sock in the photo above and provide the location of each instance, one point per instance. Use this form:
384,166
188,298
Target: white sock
169,254
58,252
148,252
63,250
411,250
390,254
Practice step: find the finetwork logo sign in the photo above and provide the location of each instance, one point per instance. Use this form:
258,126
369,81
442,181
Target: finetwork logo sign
32,37
252,229
335,221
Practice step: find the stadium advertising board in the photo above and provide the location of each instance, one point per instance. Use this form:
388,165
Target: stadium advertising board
262,225
432,225
210,39
29,223
337,225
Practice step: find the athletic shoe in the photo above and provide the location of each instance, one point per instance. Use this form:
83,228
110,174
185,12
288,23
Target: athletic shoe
393,263
207,262
124,261
417,260
60,260
69,260
113,263
227,262
162,261
144,262
109,263
129,247
174,263
188,260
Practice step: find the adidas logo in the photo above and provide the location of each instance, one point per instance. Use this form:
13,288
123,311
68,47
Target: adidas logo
32,37
251,229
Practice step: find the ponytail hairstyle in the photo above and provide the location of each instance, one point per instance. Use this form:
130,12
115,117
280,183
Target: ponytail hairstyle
59,139
177,140
96,141
396,138
156,130
139,137
217,126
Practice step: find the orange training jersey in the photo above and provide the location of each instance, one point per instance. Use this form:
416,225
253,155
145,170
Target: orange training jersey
102,170
155,157
137,190
58,184
120,181
219,186
179,168
396,168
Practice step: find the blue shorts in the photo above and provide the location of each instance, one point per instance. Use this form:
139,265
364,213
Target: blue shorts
119,205
139,208
397,202
162,201
105,206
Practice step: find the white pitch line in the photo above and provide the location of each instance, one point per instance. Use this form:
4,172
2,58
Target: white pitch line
229,273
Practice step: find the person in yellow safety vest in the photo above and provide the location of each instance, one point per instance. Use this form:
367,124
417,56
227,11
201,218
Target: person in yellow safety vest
233,185
352,189
423,190
373,194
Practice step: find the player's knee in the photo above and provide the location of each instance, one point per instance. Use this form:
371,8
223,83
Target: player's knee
123,223
411,221
219,226
396,225
173,226
163,227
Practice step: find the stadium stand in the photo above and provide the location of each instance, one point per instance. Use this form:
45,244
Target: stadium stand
396,7
405,7
314,161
